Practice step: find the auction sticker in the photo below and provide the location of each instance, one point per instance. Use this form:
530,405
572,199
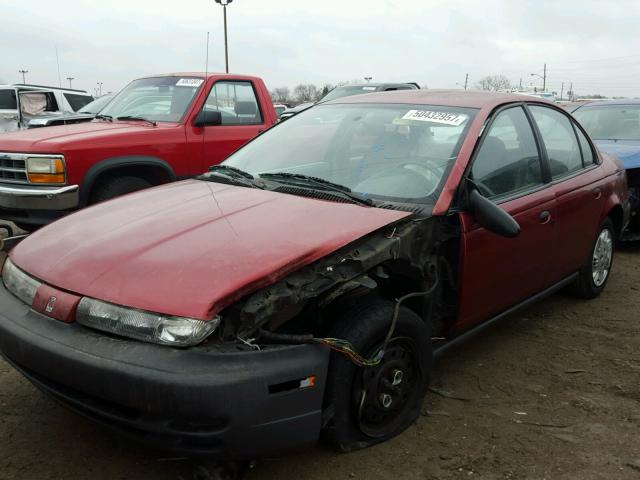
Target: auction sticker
446,118
189,82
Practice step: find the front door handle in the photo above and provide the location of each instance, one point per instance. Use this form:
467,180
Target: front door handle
597,193
544,217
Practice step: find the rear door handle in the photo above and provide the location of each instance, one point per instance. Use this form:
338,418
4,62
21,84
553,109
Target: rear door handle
544,217
597,193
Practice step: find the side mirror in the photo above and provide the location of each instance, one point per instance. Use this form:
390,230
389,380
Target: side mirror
208,118
491,216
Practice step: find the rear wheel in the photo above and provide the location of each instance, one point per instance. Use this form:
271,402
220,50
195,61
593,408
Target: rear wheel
595,273
369,405
118,186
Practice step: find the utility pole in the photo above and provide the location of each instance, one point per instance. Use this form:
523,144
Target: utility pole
23,72
224,4
368,79
561,91
544,78
466,81
520,88
70,80
570,93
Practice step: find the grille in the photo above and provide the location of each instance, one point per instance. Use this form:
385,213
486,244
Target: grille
13,170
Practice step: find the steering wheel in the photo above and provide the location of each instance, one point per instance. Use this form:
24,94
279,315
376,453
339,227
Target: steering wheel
484,189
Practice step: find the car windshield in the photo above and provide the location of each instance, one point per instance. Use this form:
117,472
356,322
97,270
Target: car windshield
97,105
347,91
389,152
160,99
610,122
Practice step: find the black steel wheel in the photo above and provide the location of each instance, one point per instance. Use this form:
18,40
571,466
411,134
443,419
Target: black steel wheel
368,405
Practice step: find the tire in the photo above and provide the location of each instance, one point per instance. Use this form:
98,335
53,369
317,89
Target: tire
354,421
116,187
592,279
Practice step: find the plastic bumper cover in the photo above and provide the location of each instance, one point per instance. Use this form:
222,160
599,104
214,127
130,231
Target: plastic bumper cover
234,404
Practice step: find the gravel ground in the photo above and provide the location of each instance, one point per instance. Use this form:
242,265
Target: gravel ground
550,393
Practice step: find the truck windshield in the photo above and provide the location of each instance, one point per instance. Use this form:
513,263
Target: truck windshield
160,99
8,100
388,152
610,122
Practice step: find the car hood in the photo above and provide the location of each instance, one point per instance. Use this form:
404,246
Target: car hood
628,151
191,248
56,139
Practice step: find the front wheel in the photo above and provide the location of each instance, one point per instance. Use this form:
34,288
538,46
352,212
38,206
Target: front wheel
595,273
369,405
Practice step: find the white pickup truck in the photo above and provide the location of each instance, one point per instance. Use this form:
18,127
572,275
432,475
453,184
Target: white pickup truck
19,103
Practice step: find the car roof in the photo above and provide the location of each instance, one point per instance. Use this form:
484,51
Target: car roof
200,75
454,98
618,101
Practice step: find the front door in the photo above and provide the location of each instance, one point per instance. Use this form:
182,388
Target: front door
499,272
242,119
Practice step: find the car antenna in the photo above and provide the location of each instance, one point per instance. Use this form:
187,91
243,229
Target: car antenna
206,75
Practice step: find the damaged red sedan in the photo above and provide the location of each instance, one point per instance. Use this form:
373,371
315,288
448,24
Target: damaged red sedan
302,288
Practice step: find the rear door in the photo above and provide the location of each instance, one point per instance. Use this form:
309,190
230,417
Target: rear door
242,119
499,272
577,185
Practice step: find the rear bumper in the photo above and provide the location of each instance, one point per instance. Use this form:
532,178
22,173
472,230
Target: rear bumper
233,404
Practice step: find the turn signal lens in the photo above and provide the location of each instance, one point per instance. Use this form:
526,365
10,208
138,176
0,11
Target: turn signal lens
45,170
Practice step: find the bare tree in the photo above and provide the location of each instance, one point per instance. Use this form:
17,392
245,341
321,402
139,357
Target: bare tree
281,94
494,83
305,92
326,88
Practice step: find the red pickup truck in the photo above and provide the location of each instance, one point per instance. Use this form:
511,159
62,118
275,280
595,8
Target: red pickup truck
156,130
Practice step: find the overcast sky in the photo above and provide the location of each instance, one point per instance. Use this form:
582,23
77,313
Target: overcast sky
594,44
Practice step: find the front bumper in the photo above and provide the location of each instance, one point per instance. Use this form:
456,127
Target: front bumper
232,405
27,197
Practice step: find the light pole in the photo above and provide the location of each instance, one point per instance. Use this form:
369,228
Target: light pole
100,87
543,77
224,4
23,72
70,80
368,79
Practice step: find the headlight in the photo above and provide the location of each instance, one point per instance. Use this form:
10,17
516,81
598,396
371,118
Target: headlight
45,169
143,325
19,283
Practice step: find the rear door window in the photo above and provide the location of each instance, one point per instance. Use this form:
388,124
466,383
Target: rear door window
8,100
559,139
508,161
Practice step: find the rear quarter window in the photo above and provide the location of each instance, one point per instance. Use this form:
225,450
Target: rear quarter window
8,100
77,101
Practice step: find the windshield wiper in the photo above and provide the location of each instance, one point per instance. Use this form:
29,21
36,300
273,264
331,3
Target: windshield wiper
233,176
132,117
108,118
318,183
232,170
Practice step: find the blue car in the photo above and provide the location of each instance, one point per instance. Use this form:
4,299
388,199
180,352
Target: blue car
614,126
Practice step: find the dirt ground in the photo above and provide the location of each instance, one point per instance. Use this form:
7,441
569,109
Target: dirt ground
550,393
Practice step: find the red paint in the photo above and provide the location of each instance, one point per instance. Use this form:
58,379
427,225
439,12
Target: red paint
61,305
178,144
191,248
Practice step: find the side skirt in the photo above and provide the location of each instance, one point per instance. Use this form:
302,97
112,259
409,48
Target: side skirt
442,347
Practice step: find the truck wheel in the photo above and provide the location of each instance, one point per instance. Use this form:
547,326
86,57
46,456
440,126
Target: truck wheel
595,273
369,405
118,186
